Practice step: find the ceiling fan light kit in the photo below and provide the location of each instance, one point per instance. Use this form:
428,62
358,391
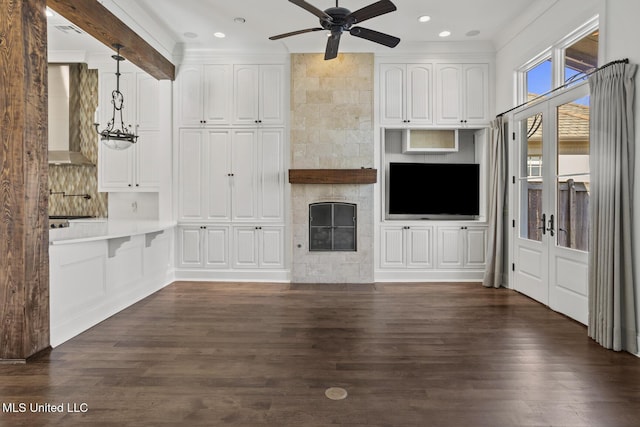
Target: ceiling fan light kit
339,19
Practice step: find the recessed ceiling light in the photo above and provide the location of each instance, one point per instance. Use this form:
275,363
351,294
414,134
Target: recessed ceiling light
472,33
445,33
220,35
190,35
424,18
239,20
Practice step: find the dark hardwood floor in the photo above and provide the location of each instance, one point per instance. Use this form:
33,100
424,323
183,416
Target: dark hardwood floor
438,354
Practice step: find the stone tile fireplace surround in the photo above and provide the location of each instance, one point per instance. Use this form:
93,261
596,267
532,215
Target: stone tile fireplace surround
332,128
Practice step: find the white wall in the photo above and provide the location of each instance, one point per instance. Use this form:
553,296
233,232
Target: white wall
621,41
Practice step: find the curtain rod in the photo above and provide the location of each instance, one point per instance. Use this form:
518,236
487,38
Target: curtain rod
567,83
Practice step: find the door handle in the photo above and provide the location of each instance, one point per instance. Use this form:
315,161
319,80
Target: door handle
544,224
551,229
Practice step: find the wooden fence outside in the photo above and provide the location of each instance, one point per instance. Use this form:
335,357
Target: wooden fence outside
572,220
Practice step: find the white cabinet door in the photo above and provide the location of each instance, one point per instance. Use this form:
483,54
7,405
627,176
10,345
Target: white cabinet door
190,95
147,159
271,174
271,250
392,94
217,175
258,94
406,247
246,84
462,247
406,94
244,174
147,102
217,92
418,244
462,94
190,246
245,246
476,93
272,95
419,96
216,244
476,242
392,247
258,247
115,169
450,247
191,151
448,94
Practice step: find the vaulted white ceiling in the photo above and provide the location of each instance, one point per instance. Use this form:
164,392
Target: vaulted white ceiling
174,26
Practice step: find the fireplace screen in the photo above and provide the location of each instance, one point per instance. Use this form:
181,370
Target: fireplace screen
332,227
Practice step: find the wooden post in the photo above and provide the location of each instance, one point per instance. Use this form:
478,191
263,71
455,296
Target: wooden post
572,230
24,262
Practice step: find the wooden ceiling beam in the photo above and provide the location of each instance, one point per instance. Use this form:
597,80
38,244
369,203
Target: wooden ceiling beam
97,21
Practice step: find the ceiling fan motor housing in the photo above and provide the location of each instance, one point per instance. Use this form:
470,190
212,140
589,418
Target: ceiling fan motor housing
339,21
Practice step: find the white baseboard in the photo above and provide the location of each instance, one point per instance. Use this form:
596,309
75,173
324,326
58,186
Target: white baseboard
428,276
234,275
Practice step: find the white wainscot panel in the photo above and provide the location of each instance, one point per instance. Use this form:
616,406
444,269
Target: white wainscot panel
572,275
530,262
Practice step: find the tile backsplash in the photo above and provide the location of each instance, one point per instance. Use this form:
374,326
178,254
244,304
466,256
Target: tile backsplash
75,179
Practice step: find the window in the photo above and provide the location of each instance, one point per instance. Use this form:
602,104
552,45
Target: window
563,63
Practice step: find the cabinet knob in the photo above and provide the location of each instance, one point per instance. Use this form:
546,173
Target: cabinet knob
129,185
137,185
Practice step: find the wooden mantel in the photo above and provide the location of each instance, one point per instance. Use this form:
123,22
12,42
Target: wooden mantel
333,176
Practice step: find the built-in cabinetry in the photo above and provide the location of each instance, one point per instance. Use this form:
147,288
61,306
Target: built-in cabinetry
406,94
432,111
230,168
462,94
138,167
230,94
432,251
434,94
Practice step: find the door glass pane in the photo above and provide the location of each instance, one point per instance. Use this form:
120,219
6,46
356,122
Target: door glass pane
531,190
573,180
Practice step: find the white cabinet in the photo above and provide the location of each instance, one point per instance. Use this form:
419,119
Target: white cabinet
406,94
231,175
462,94
203,246
258,247
204,95
209,247
461,247
258,94
406,247
135,168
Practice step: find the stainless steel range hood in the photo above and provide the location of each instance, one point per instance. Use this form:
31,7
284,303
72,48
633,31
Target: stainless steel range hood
65,118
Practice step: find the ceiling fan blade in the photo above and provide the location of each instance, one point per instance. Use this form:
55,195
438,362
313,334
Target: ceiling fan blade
311,8
294,33
375,36
333,42
375,9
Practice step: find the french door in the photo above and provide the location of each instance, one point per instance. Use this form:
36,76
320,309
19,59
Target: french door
552,202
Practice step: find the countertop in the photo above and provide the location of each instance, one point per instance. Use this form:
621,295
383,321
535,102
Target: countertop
87,230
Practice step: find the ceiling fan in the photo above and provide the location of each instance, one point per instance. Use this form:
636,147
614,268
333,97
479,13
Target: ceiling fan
338,19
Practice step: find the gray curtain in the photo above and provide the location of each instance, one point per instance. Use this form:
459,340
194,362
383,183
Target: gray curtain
612,309
495,215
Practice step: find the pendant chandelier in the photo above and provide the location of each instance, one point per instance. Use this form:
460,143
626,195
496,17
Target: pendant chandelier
112,136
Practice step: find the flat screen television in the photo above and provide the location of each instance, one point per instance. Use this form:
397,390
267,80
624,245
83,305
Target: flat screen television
434,189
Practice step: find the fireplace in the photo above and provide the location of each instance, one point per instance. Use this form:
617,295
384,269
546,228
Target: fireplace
332,227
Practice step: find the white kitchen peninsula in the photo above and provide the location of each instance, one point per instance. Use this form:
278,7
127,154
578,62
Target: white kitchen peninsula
100,267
